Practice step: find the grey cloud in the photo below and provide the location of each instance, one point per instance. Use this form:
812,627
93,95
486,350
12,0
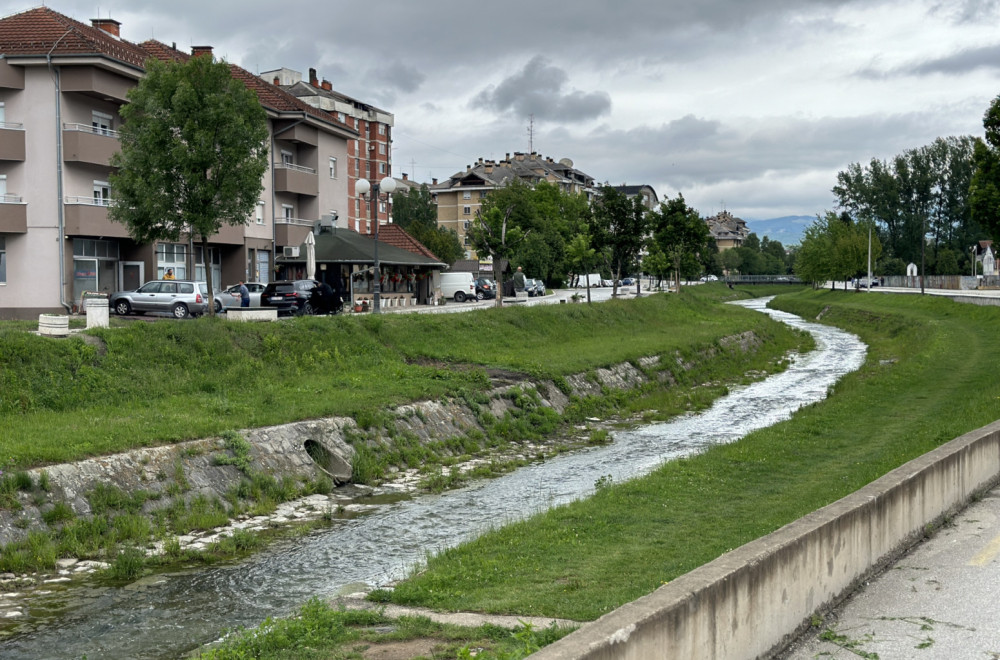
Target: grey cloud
538,90
965,61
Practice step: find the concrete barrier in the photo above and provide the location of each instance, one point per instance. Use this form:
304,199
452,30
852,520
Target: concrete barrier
753,601
98,312
252,314
53,325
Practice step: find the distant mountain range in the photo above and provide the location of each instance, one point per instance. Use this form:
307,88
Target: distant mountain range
787,230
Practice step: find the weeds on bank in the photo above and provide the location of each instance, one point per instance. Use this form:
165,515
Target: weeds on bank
320,631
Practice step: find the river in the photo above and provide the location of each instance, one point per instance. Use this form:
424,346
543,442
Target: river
170,614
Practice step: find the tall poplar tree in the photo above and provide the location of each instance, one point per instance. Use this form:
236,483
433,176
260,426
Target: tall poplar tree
193,154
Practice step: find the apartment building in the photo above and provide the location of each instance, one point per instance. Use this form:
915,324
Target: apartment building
727,230
369,155
461,196
62,83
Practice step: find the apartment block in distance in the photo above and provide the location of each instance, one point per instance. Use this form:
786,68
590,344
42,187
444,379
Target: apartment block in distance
461,196
62,83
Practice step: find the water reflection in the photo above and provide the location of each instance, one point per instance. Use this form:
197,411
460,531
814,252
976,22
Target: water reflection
166,615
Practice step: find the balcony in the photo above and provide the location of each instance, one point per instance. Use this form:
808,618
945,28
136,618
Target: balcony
11,77
11,141
230,235
13,215
86,144
86,216
295,179
298,133
95,82
292,231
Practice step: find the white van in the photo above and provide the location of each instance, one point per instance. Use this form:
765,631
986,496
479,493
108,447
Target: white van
460,286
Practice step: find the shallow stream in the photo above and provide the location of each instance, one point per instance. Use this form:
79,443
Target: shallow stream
169,614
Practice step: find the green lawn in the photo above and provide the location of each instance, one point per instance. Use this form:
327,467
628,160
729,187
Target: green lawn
148,383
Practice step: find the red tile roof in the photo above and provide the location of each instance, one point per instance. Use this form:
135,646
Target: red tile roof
41,31
396,236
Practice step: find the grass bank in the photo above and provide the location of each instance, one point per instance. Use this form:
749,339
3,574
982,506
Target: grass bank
142,384
929,377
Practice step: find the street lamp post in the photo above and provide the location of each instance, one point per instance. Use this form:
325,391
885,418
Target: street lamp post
362,187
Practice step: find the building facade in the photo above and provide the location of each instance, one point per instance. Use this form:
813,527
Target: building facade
727,230
461,197
369,155
62,83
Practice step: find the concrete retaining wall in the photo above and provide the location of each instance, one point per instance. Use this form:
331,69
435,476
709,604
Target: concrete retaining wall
753,601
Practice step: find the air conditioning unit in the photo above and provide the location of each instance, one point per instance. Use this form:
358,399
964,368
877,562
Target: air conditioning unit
371,147
291,251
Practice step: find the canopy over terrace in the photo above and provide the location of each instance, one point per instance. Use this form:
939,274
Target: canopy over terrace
345,260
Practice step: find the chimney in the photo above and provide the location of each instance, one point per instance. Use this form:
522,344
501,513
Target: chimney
434,182
404,176
277,81
198,51
108,25
327,85
313,80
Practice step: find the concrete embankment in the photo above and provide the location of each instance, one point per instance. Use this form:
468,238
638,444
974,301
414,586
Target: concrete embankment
308,450
753,601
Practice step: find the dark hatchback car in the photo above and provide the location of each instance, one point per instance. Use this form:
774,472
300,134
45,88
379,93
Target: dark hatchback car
485,288
289,296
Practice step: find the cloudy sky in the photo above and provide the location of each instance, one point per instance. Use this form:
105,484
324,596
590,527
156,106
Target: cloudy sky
747,105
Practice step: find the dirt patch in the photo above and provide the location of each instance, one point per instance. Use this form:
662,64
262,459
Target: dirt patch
407,650
497,376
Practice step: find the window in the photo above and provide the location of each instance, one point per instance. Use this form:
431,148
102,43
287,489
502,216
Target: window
3,260
260,212
333,168
288,212
102,193
340,116
381,207
215,258
466,210
355,147
171,255
467,225
287,158
92,247
381,147
466,195
357,166
3,114
466,241
3,188
101,122
357,207
381,168
381,129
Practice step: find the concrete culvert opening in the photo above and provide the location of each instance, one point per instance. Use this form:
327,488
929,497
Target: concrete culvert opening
333,464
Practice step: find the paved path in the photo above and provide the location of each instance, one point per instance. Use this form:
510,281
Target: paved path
940,601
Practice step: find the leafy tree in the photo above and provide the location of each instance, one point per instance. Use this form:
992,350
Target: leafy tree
834,248
924,191
416,212
193,154
680,233
984,192
580,256
494,235
619,226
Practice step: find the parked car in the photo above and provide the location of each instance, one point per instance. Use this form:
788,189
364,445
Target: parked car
461,286
531,286
179,298
255,288
485,288
607,283
539,287
289,296
628,281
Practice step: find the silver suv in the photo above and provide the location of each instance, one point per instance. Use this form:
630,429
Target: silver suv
179,298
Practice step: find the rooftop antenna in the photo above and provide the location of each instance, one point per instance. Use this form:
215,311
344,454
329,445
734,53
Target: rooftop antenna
531,134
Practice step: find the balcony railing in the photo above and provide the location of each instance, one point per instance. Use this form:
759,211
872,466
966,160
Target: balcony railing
90,201
12,126
296,168
10,199
301,222
86,128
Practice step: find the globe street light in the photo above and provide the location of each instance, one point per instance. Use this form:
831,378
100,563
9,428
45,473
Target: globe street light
362,187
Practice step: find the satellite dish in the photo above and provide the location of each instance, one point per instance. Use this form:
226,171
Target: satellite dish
566,162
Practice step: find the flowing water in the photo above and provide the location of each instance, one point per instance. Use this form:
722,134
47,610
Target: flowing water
169,614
